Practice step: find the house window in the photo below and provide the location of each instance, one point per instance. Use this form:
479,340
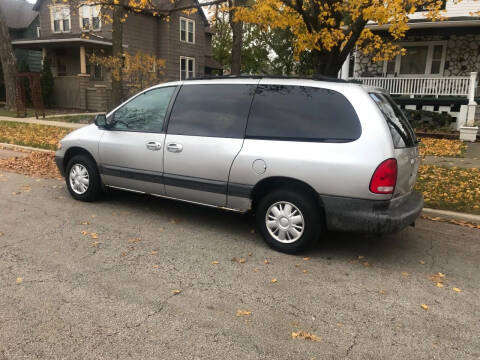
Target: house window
187,30
422,58
96,72
90,17
187,67
38,32
60,16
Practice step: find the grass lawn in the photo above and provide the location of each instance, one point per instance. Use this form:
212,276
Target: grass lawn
40,136
5,112
454,189
442,147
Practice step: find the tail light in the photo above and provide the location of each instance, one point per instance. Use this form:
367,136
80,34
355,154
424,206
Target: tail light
384,178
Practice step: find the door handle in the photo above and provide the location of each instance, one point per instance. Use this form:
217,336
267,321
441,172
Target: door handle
175,148
154,145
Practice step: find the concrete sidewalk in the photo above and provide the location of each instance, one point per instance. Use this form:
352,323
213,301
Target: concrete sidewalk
33,120
471,159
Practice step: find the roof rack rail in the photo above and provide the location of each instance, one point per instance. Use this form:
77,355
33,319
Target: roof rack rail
245,76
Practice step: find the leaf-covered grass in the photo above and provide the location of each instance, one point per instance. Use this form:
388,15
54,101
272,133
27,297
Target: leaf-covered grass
442,147
40,136
454,189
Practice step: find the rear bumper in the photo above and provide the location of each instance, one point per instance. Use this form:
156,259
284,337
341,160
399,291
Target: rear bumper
59,162
371,216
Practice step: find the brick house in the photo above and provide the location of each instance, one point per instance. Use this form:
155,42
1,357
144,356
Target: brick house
440,69
184,42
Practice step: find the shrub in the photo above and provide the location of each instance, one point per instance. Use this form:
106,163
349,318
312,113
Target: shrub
428,120
46,82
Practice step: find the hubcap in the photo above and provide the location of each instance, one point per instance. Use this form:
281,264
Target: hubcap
79,179
285,222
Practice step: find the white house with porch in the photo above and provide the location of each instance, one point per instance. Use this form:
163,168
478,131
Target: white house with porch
440,69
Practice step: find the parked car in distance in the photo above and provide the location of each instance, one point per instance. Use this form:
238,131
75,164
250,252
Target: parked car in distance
303,155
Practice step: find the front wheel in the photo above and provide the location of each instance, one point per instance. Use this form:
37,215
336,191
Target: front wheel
82,178
289,221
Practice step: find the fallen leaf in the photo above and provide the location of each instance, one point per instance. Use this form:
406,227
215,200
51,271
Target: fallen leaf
250,254
124,254
215,262
19,280
85,223
404,273
243,313
134,240
306,258
383,292
297,265
94,216
305,335
305,271
94,235
421,262
339,324
242,260
154,252
155,266
266,262
176,292
441,275
95,243
255,269
274,280
84,232
424,306
439,284
456,289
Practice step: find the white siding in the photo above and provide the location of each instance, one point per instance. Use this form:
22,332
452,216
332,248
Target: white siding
462,8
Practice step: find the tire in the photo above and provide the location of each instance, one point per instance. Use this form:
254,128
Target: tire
306,207
81,165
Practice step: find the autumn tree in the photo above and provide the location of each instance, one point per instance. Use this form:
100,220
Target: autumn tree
9,63
329,30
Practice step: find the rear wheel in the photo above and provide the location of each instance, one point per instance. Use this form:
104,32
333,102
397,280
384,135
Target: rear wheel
82,178
289,221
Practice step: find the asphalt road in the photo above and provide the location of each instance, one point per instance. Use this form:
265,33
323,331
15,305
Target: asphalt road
66,295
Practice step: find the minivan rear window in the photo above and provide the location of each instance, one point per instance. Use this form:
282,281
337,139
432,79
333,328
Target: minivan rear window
302,113
400,129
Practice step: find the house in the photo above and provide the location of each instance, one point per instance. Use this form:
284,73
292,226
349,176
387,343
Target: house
440,69
22,23
68,34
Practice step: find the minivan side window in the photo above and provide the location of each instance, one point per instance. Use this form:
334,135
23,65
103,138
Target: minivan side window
302,113
400,129
146,112
217,110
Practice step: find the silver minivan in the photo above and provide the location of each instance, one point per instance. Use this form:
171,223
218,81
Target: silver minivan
303,155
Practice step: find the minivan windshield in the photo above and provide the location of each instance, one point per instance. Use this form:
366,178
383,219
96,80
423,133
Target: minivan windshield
402,133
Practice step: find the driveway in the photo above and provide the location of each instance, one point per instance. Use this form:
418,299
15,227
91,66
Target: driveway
95,281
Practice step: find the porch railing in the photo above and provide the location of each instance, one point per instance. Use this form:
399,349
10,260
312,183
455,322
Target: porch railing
434,86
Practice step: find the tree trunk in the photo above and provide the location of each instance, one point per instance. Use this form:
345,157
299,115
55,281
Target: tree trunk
9,64
237,39
328,63
117,51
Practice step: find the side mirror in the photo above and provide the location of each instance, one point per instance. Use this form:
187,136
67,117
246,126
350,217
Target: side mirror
101,120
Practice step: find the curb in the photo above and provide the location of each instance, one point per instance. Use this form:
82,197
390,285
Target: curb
28,148
452,215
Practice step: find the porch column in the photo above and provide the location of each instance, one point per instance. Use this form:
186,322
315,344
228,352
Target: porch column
345,68
44,54
83,61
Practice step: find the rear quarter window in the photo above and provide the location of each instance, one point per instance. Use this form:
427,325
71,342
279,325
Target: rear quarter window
400,129
302,113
